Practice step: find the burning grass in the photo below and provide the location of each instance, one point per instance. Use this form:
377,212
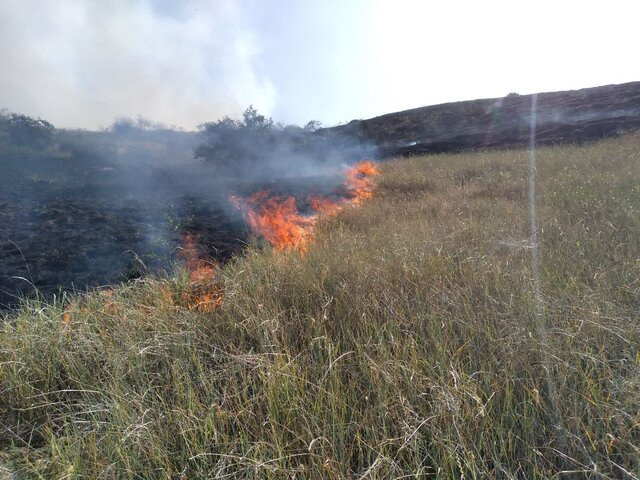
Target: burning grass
279,221
403,343
205,291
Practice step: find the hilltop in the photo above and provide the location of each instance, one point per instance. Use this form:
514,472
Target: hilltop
562,117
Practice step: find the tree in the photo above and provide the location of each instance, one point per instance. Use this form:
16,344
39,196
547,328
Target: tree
26,131
124,125
233,145
256,147
256,122
312,125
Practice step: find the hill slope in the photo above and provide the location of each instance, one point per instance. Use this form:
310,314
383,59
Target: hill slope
562,117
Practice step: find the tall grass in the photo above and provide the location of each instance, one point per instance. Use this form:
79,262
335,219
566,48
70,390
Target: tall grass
402,345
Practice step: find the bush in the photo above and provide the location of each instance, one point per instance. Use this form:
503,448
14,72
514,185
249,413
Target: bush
234,145
25,131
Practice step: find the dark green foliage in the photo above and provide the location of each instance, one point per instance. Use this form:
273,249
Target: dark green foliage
129,126
256,148
24,131
233,144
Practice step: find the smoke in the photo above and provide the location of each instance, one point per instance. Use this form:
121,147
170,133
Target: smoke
90,208
82,64
255,151
93,208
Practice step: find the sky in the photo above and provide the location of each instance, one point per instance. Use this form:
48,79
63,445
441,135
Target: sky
85,63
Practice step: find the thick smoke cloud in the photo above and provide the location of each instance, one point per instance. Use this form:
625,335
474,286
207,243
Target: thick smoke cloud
82,64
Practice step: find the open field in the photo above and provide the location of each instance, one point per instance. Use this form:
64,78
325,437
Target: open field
406,343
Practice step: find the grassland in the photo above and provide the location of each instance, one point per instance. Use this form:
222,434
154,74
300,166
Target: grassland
406,343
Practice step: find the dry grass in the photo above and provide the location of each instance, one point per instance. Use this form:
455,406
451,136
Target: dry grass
404,343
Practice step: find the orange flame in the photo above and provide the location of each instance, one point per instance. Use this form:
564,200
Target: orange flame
205,293
359,181
326,206
66,316
278,220
110,307
79,308
199,270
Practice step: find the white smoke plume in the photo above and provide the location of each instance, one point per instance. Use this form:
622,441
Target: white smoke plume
82,64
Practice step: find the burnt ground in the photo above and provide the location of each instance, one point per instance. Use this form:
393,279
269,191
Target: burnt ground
71,219
95,209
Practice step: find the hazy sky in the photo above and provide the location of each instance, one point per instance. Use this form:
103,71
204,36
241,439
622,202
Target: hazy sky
82,63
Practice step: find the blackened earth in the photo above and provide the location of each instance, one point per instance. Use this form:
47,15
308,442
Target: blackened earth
76,219
72,221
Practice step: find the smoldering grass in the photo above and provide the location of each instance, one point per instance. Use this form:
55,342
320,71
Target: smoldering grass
402,345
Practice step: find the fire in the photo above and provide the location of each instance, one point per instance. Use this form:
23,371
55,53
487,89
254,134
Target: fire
326,206
359,181
280,222
277,219
80,308
199,270
110,307
205,293
66,316
207,302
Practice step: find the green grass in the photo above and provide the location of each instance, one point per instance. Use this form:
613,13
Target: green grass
404,344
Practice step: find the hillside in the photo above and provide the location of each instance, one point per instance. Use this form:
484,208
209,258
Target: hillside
408,342
562,117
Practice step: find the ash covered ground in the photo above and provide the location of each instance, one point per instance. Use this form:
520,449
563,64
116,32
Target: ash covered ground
97,208
83,209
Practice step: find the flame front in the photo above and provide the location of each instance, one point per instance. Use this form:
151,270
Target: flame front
326,206
279,221
359,181
205,293
276,218
199,269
